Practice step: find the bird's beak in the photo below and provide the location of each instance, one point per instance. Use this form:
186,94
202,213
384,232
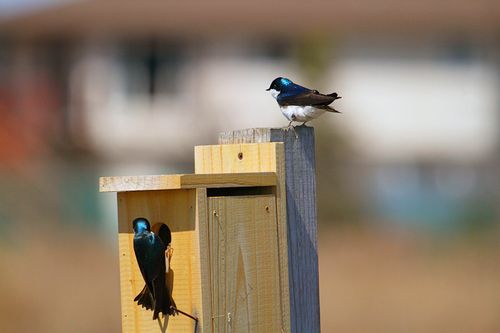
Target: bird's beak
268,89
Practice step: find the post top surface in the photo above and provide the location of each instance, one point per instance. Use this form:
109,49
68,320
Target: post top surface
263,135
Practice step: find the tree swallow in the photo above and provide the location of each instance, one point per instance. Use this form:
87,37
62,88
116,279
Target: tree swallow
299,103
149,251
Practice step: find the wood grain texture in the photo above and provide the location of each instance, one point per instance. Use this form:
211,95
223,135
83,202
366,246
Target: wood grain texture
244,264
301,218
250,135
204,244
240,159
184,181
266,157
177,209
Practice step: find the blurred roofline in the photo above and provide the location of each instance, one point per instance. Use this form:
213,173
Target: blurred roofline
277,18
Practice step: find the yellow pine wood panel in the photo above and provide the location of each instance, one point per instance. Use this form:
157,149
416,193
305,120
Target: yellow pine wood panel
177,210
255,157
236,158
139,183
184,181
203,234
245,271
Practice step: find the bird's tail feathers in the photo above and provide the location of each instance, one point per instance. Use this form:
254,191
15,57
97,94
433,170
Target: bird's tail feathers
144,298
330,109
165,305
335,95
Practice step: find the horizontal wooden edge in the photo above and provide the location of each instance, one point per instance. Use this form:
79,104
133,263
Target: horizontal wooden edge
185,181
247,135
235,144
259,134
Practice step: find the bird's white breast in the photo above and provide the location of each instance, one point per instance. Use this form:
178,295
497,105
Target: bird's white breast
301,113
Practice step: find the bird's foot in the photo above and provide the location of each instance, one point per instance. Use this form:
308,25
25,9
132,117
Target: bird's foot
168,256
169,252
291,127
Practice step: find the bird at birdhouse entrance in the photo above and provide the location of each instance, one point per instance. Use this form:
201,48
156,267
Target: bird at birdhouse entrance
153,254
298,103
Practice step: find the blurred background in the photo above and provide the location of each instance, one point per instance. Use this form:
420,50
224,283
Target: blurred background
408,186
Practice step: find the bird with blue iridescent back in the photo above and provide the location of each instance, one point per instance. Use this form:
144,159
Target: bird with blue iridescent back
150,254
298,103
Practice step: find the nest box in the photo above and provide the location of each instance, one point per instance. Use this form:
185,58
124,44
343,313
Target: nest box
237,265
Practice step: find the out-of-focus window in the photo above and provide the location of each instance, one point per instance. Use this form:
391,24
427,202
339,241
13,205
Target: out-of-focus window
152,68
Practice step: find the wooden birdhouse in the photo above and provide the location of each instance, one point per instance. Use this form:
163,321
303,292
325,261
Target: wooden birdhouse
243,236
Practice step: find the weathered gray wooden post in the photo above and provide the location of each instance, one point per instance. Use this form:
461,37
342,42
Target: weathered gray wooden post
301,218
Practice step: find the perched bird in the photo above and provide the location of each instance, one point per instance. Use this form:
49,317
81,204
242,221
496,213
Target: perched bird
299,103
149,251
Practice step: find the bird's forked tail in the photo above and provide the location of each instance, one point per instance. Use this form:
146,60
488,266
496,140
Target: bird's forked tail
334,95
145,299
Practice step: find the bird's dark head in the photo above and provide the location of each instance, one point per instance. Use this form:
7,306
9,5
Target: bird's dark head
141,224
278,85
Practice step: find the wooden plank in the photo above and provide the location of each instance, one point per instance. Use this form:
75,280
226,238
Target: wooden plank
204,242
139,183
228,180
177,210
242,158
301,218
184,181
245,264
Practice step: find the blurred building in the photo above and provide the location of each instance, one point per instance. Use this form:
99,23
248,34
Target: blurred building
91,88
142,82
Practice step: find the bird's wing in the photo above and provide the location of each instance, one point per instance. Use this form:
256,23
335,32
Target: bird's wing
161,293
141,248
157,256
310,97
150,257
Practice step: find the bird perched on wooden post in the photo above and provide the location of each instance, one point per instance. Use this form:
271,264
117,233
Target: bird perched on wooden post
299,103
150,251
